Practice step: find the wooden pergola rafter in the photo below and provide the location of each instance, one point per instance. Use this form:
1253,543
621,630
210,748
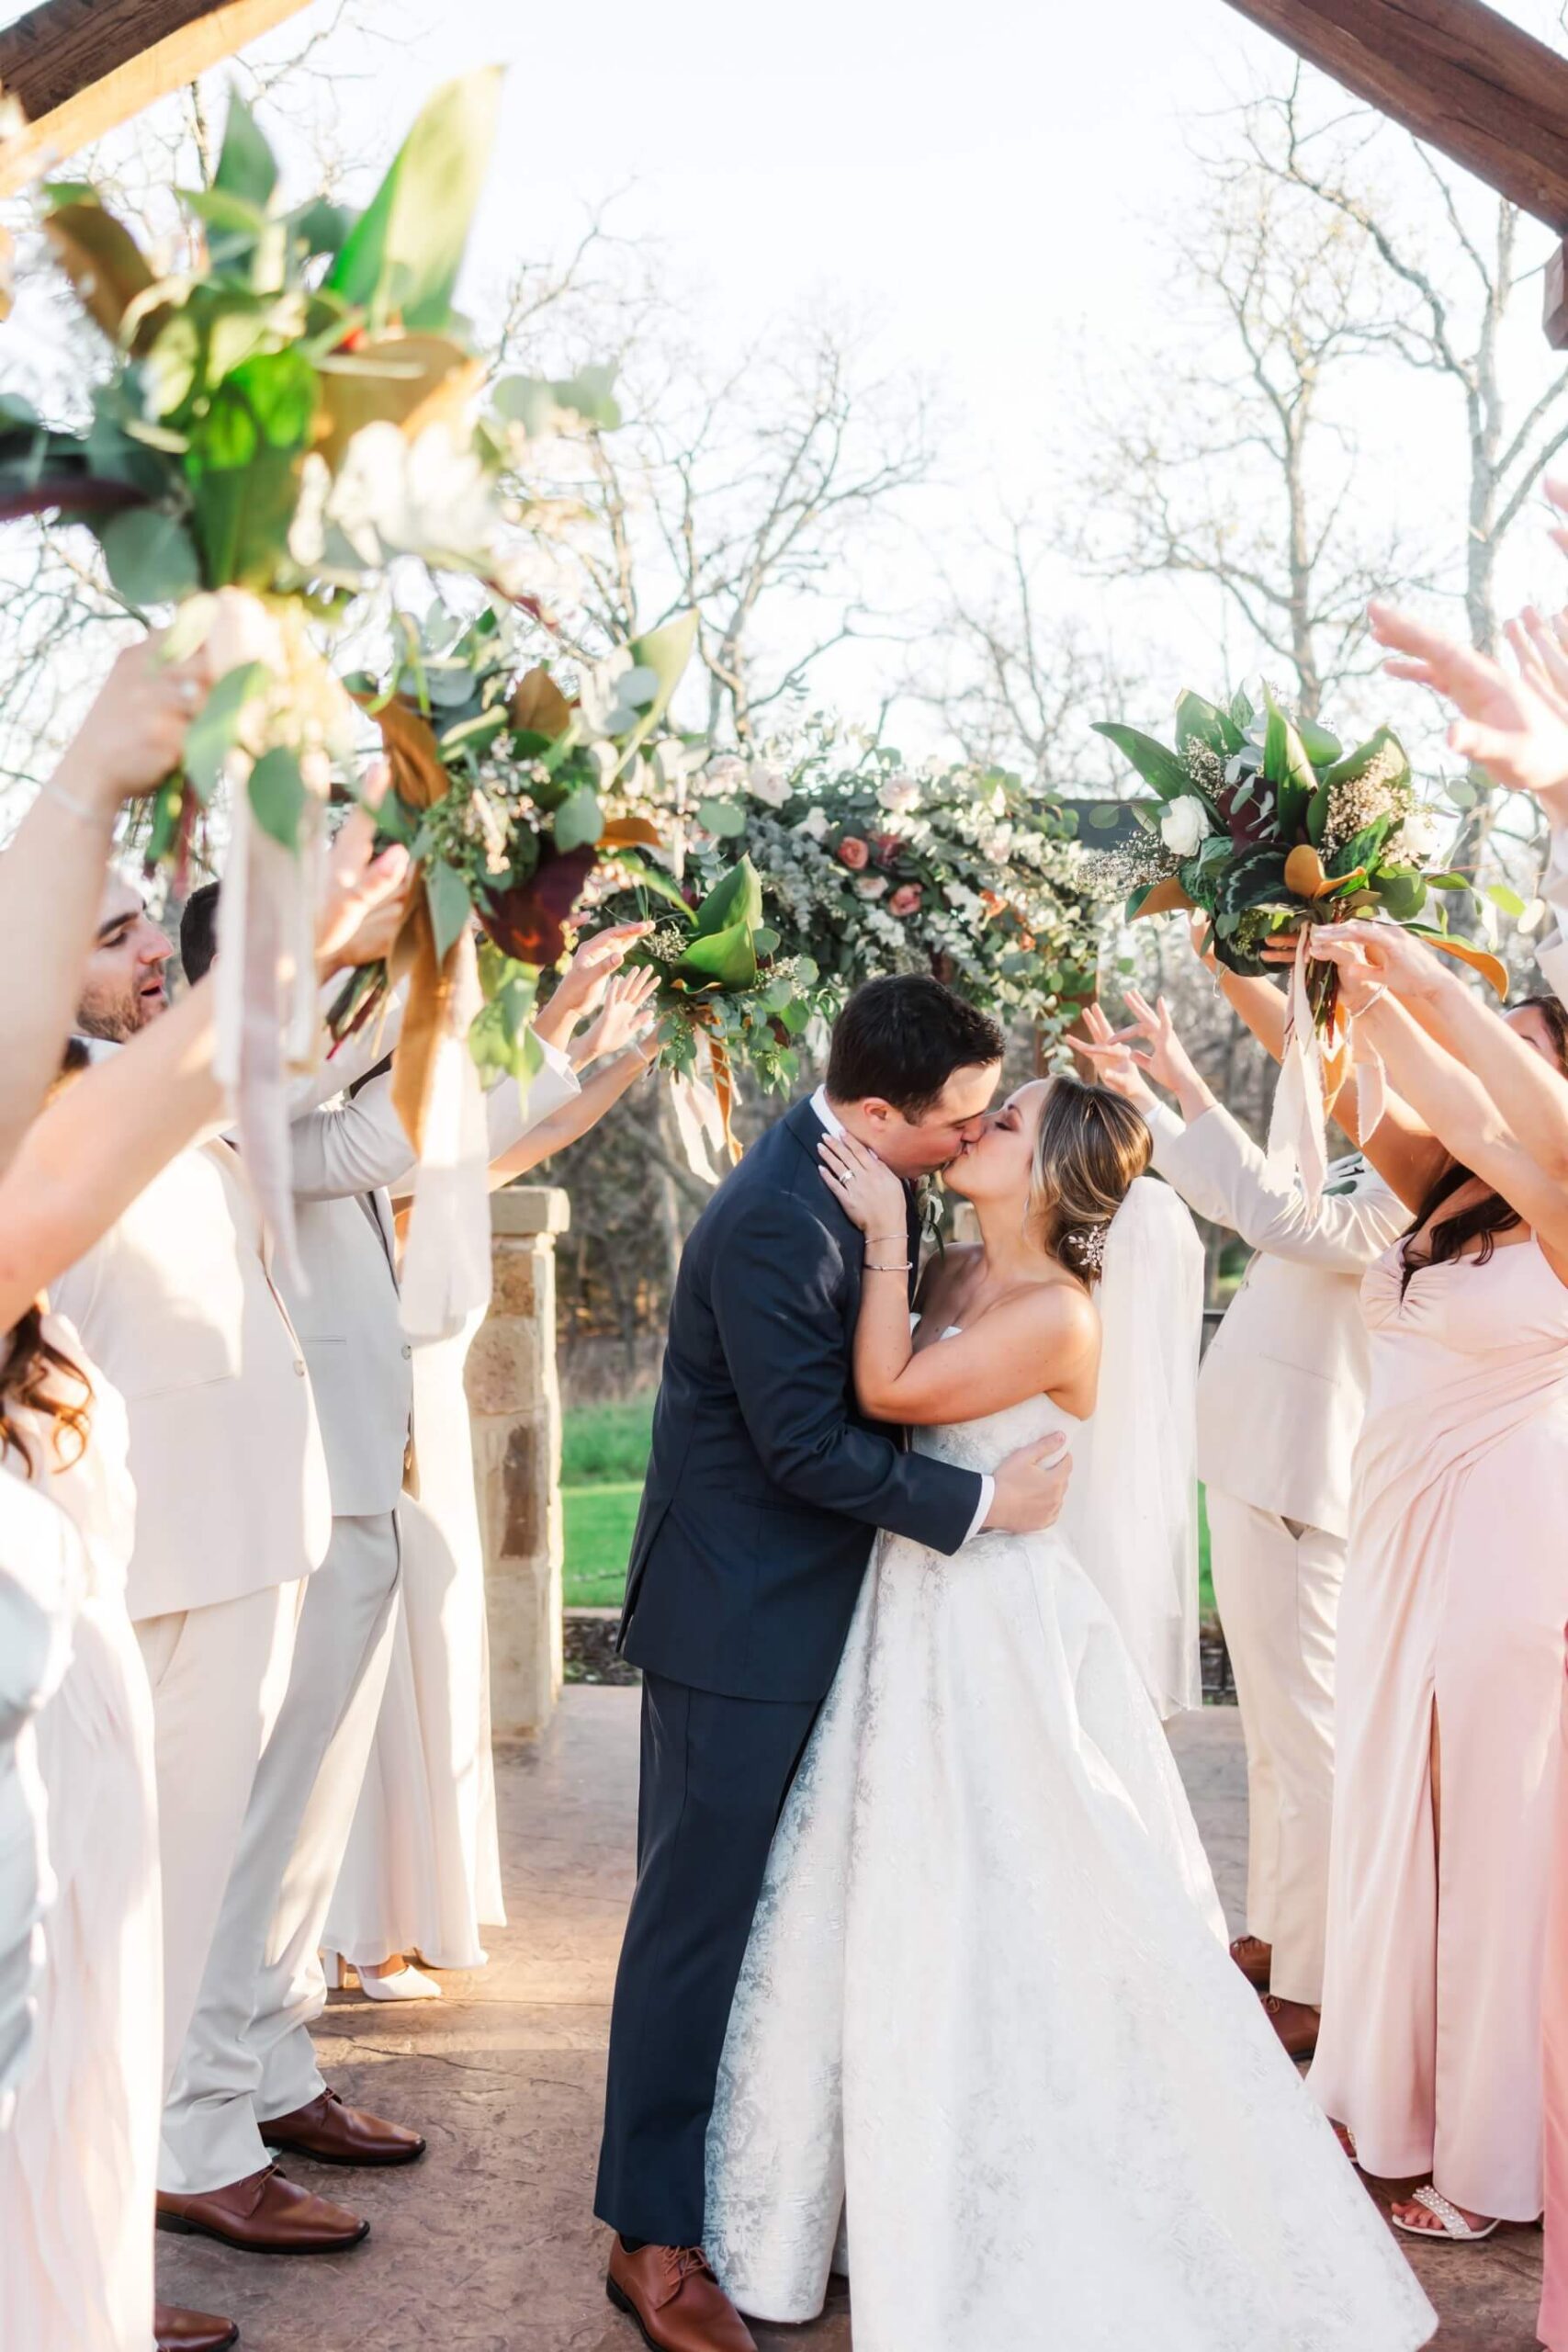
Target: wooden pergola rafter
1462,78
79,68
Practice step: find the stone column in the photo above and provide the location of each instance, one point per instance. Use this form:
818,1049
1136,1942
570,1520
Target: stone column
514,1404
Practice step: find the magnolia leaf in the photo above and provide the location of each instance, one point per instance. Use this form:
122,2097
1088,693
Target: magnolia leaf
653,878
1287,767
322,227
214,731
1303,873
247,165
1158,766
232,215
278,794
1321,747
1490,968
726,959
101,259
737,898
726,819
246,453
625,831
1198,721
402,258
1160,899
450,905
410,380
150,557
538,706
1354,766
418,776
578,821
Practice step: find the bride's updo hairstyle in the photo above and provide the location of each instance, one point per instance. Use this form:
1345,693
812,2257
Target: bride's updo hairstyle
1089,1149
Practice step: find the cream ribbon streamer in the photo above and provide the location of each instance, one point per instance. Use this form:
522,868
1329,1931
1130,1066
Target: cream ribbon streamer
1298,1143
446,1262
699,1123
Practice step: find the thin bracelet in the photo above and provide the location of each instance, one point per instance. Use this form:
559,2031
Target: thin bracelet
53,789
871,1268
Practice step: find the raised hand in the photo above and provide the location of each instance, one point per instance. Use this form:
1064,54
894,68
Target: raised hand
870,1194
1114,1063
1374,959
581,987
624,1019
362,904
1505,725
134,734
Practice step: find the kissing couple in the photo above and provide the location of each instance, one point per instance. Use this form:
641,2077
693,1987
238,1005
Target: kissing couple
925,1978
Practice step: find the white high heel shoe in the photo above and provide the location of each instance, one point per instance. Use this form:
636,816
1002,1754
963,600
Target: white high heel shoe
406,1983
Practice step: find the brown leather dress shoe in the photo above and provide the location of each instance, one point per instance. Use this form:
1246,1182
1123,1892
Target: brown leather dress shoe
264,2213
675,2300
335,2134
1295,2024
1255,1959
177,2331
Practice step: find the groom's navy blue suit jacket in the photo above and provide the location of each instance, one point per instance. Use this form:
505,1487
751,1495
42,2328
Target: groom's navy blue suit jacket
766,1482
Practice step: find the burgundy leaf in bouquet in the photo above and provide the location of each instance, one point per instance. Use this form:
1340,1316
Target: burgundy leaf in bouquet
528,921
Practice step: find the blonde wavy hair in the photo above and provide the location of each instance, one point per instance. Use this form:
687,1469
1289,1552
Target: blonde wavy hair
1089,1149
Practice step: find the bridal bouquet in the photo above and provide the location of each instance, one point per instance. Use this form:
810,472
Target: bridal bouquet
506,792
1267,823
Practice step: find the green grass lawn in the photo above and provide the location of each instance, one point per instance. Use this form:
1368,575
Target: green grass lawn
603,1458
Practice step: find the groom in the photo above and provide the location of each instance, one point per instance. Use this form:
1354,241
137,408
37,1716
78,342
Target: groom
765,1489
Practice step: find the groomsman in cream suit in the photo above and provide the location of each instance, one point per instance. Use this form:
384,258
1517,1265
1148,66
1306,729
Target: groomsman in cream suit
178,1305
1281,1399
248,2082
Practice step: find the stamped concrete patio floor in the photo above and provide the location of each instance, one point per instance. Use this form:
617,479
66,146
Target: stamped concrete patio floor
490,2245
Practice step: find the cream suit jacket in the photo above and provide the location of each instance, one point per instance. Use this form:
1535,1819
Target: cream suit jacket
345,1159
178,1306
1284,1382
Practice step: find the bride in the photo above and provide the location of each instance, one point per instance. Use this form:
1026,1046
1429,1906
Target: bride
987,2015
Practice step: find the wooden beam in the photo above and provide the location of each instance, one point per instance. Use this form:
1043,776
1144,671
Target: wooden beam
79,68
1456,73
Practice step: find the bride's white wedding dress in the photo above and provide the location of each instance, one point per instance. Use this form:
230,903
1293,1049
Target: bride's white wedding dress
988,2012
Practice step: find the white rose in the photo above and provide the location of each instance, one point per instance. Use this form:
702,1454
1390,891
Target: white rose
898,793
870,886
1185,826
813,824
1418,836
724,775
770,785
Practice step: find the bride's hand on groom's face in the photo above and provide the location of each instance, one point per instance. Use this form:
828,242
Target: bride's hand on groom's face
870,1194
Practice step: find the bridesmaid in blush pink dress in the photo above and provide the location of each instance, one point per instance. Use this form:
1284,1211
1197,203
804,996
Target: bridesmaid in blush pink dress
1552,2325
1450,1663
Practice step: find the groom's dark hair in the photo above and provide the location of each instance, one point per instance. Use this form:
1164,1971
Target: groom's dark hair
902,1038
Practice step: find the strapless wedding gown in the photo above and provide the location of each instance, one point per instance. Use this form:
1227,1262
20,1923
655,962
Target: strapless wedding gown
987,2015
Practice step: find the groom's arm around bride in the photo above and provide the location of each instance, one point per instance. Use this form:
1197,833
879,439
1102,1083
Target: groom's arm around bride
766,1486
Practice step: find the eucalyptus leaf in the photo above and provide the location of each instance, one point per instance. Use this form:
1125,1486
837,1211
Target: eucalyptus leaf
580,819
277,794
451,907
1507,901
501,1037
150,557
726,819
214,731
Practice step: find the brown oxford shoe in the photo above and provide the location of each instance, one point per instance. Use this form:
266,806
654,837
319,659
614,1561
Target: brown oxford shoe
1295,2024
1255,1959
677,2302
177,2331
335,2134
264,2213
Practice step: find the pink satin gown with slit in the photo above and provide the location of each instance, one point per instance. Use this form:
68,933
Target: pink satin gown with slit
1455,1599
1552,2325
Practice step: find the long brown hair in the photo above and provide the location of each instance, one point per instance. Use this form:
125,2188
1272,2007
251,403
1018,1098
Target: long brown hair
1089,1148
1490,1216
39,1382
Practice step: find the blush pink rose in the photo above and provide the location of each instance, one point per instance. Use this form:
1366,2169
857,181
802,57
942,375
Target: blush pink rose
853,853
906,899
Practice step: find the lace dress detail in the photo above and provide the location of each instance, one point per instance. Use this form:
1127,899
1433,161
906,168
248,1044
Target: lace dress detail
988,2012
